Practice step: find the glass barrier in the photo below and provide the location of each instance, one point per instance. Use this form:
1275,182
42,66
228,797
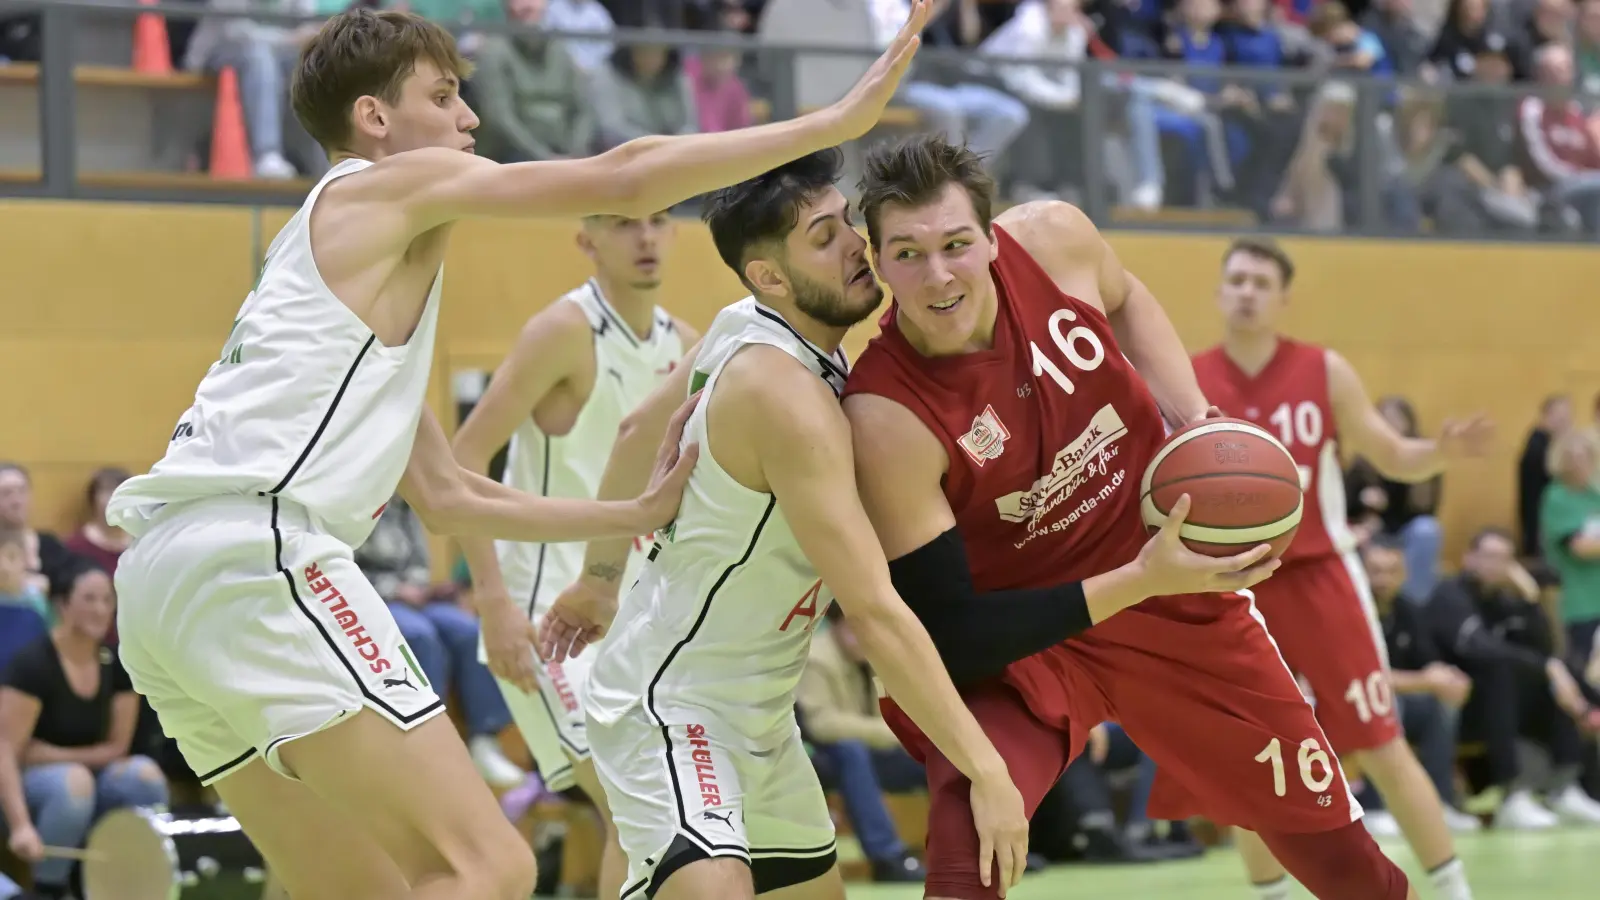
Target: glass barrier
111,100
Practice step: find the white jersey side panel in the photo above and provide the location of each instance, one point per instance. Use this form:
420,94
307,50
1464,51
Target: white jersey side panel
303,403
721,618
627,369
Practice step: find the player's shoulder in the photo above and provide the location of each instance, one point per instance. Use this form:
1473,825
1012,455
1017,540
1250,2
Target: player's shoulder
560,330
773,393
1043,226
402,177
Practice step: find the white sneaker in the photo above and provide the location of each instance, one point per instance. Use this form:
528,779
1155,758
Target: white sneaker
492,764
1460,822
1381,824
1574,805
274,166
1521,812
1146,197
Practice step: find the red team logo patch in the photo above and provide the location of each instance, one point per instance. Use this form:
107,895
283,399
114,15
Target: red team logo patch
987,438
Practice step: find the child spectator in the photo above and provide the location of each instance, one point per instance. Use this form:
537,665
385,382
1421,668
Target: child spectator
1353,48
23,610
720,95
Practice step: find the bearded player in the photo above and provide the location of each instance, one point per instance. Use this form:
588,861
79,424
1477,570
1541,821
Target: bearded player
1002,422
1319,606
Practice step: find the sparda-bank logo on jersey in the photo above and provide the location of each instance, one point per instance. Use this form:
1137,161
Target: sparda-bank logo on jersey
1087,457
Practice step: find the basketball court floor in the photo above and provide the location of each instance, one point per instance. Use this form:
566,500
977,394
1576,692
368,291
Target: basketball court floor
1555,865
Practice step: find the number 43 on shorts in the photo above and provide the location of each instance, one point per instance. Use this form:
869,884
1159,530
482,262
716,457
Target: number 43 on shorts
1316,768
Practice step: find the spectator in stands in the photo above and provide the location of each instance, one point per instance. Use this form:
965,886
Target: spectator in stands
1351,48
720,94
1077,819
1533,468
1272,122
1057,29
1569,528
249,49
1549,22
588,17
838,705
96,541
1212,141
1562,151
1480,188
1428,692
988,119
46,553
643,91
1405,44
1587,48
442,635
1470,29
1404,510
532,97
24,612
1488,622
67,716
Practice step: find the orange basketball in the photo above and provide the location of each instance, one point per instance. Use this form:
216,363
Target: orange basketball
1243,486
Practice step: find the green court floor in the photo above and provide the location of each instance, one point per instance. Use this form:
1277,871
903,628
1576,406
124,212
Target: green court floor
1556,865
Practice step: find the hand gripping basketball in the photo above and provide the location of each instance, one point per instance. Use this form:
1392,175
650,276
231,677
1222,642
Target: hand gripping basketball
1168,567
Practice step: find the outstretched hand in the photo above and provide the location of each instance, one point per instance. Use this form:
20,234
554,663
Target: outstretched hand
1169,567
860,109
1466,437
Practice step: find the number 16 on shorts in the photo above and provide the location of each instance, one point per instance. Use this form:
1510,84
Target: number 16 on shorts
1315,766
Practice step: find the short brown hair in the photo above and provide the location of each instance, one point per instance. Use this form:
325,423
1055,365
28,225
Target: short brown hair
915,171
1263,248
361,52
1326,17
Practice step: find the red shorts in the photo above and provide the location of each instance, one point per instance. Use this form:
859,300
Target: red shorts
1199,686
1321,613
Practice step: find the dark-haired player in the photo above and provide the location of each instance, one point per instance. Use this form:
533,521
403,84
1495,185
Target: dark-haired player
243,618
1002,420
1319,607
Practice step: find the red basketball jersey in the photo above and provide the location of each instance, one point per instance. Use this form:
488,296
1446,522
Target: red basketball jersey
1289,398
1048,432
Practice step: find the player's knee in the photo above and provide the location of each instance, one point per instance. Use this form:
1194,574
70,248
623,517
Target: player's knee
1342,864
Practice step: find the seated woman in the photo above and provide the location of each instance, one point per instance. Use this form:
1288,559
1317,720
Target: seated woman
67,716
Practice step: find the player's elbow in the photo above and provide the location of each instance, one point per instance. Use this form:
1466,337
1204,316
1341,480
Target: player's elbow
443,503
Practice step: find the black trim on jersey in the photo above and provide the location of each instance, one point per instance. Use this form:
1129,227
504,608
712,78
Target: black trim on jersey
827,363
650,693
555,723
772,873
609,313
228,766
326,418
544,491
294,593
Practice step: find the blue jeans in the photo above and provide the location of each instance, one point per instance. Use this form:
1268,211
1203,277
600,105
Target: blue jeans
64,800
1144,139
9,889
857,768
444,638
1422,539
987,118
1430,727
262,89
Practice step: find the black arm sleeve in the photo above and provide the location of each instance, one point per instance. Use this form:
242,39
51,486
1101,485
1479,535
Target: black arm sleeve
978,635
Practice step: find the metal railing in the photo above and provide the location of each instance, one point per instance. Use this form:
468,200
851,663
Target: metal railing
1367,181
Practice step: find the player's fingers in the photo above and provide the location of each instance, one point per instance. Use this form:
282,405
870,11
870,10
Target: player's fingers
985,855
1175,516
1249,578
1245,560
1002,865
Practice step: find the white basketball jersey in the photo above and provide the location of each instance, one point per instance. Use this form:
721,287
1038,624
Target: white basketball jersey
721,618
627,369
304,403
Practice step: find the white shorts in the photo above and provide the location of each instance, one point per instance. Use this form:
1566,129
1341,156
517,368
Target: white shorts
247,628
678,794
552,721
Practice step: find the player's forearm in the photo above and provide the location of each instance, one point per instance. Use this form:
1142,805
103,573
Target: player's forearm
904,659
663,170
488,509
1409,683
1152,344
1411,460
488,582
39,753
627,474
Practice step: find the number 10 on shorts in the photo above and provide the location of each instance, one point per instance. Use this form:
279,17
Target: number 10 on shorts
1312,759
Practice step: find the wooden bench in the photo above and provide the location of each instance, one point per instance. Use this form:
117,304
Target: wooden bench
110,77
291,188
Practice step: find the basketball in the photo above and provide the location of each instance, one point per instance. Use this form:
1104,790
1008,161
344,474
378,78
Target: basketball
1243,486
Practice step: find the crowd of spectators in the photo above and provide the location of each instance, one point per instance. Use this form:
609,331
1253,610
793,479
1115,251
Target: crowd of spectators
1458,117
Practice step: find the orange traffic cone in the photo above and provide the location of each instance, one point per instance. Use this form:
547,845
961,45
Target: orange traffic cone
230,149
151,52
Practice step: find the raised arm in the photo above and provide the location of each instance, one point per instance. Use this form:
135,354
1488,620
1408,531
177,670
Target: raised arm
1397,457
641,176
900,466
19,713
547,353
